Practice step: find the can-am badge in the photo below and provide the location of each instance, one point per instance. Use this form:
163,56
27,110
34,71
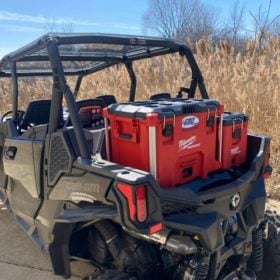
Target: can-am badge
190,121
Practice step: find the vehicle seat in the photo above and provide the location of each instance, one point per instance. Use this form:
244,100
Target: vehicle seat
108,99
90,111
90,102
37,112
158,96
91,115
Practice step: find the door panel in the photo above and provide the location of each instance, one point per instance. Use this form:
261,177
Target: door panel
19,163
3,133
22,160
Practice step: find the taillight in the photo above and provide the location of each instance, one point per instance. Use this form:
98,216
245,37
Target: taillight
267,168
136,201
127,192
141,203
267,155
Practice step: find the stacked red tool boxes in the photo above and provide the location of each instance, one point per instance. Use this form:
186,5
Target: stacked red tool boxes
176,139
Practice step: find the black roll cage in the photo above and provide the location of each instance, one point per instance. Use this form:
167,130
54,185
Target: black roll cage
147,47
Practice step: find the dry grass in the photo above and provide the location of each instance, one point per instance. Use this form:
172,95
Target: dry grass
248,83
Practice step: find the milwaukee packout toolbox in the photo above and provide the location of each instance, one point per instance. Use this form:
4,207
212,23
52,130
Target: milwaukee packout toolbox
176,140
234,139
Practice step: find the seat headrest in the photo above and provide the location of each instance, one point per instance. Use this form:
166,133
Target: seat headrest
108,99
163,95
37,112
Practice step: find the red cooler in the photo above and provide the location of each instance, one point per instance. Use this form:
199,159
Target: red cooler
234,139
175,139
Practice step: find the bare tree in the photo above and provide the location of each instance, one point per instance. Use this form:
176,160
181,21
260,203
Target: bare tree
180,19
204,23
169,18
263,24
51,25
275,28
236,23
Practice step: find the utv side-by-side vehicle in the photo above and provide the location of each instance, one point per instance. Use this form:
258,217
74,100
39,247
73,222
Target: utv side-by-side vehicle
166,188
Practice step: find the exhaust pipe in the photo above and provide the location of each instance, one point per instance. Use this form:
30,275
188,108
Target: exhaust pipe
181,245
174,243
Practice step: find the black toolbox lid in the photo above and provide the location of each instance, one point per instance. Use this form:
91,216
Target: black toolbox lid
229,118
174,106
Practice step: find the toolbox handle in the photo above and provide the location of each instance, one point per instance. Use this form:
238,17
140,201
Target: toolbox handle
127,136
131,135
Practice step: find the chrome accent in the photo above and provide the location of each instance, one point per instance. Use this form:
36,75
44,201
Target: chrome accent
152,151
160,237
221,137
181,245
107,138
261,151
176,243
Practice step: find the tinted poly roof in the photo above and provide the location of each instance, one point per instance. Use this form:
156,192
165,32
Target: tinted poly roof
83,53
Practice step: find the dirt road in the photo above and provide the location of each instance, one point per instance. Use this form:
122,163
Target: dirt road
21,259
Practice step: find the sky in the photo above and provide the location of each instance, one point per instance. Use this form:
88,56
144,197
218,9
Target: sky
22,21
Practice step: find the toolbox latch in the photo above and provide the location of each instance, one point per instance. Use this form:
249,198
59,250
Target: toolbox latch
211,119
168,128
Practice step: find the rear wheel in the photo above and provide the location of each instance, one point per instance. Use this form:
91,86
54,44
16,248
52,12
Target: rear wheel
111,247
271,264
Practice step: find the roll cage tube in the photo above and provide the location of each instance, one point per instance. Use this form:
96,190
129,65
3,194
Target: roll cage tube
197,78
78,85
133,81
14,91
132,76
61,87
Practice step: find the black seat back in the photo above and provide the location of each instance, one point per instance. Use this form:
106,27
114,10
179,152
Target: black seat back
108,99
37,112
90,102
163,95
90,111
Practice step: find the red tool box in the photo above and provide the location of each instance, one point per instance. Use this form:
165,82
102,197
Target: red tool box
175,139
234,139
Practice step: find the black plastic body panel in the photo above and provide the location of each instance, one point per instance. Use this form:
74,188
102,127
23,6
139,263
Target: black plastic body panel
27,159
3,134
